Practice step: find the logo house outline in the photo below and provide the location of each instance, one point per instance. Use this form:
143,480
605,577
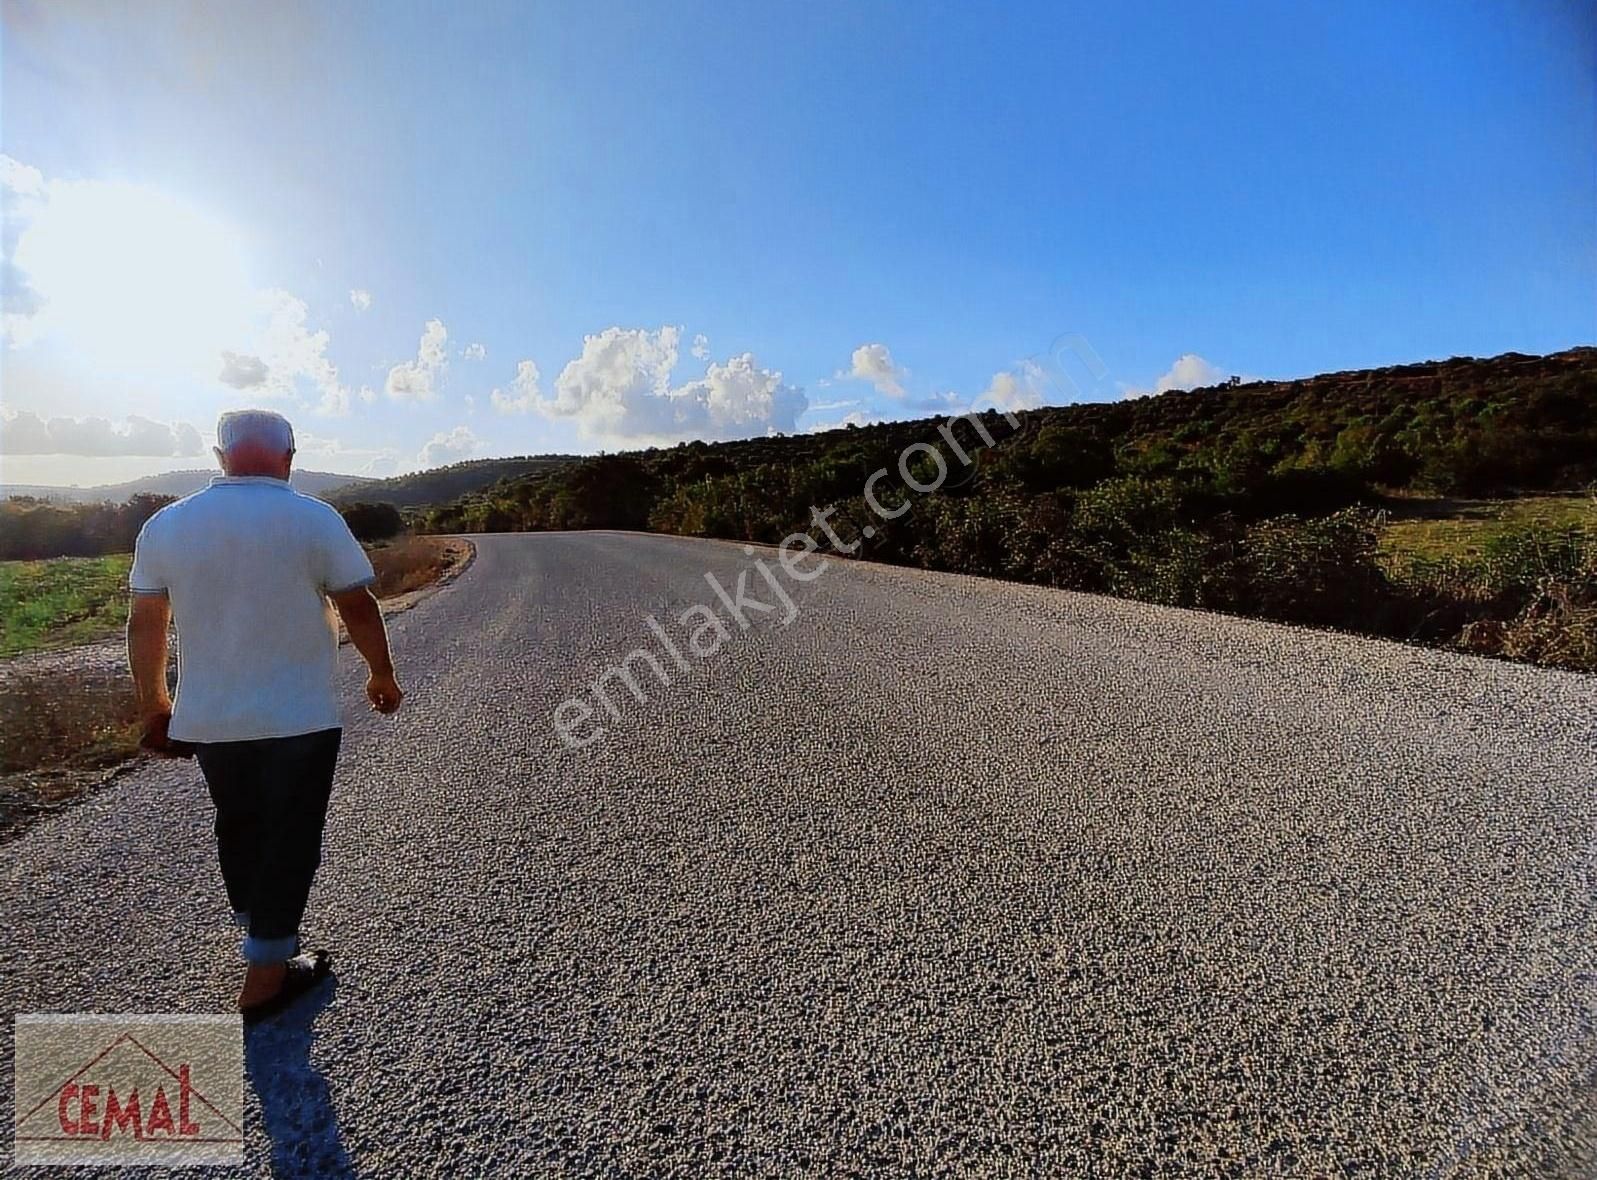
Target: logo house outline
125,1129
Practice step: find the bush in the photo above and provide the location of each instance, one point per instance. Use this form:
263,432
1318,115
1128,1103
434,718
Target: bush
33,529
373,522
1321,573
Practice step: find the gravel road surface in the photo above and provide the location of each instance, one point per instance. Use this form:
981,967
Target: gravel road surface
945,876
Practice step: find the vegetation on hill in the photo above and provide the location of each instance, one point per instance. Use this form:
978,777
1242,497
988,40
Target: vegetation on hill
34,529
170,484
440,485
1266,499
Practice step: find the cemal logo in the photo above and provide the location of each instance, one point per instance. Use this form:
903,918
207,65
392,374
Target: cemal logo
78,1109
135,1089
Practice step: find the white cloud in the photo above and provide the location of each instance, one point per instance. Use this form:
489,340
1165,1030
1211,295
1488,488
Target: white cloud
291,352
874,363
947,402
701,346
448,448
1019,388
417,379
20,178
473,352
361,299
619,390
335,403
319,452
823,407
524,395
25,433
242,372
1190,371
857,418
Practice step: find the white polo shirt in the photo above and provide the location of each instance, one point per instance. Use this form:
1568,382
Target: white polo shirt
248,563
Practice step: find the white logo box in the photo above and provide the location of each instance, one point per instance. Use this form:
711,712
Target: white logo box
132,1089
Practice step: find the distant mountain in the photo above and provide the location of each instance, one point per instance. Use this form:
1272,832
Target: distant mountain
440,485
169,483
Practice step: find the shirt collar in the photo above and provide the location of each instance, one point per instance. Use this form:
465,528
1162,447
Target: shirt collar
218,481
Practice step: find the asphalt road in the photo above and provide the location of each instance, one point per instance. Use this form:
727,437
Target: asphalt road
945,875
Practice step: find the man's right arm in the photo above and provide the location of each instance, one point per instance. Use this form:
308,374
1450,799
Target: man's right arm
363,619
148,616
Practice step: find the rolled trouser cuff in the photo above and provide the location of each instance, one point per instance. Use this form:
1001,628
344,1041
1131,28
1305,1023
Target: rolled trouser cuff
263,952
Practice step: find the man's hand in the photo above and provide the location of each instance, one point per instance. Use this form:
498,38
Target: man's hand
383,691
363,619
148,617
153,736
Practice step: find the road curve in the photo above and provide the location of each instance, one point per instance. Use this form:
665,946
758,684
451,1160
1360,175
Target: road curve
944,876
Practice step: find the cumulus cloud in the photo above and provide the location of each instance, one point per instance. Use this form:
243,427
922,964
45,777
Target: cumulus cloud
620,390
1190,371
452,447
242,372
701,346
417,379
856,418
473,352
361,299
22,179
874,363
21,188
25,433
524,393
320,452
290,354
947,402
1017,388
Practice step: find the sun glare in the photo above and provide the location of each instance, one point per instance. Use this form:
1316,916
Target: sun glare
135,282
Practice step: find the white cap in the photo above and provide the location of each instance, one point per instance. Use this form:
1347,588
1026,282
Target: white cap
266,429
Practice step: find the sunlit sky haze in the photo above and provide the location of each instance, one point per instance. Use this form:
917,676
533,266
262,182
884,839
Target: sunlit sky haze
431,232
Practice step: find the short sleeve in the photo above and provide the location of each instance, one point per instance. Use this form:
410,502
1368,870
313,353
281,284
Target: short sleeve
343,564
148,575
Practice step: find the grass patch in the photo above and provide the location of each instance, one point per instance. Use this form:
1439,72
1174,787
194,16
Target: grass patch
70,600
1509,578
1466,530
62,601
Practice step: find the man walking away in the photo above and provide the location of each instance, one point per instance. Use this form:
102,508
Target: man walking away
246,567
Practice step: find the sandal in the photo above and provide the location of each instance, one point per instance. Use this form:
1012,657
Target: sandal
301,974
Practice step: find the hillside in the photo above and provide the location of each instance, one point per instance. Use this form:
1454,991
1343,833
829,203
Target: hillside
1264,499
440,485
168,483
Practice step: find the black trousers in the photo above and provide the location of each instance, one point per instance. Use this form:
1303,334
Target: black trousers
271,805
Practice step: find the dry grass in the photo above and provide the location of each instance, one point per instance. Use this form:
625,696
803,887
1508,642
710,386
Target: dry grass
409,563
62,729
58,735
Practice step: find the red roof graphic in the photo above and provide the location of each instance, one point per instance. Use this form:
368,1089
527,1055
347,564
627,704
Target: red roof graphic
125,1038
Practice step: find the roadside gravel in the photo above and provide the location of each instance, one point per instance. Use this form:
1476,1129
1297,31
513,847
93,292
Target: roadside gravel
947,876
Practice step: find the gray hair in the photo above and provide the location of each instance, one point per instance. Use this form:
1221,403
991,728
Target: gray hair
266,429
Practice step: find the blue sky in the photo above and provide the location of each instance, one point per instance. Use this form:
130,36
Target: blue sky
864,210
